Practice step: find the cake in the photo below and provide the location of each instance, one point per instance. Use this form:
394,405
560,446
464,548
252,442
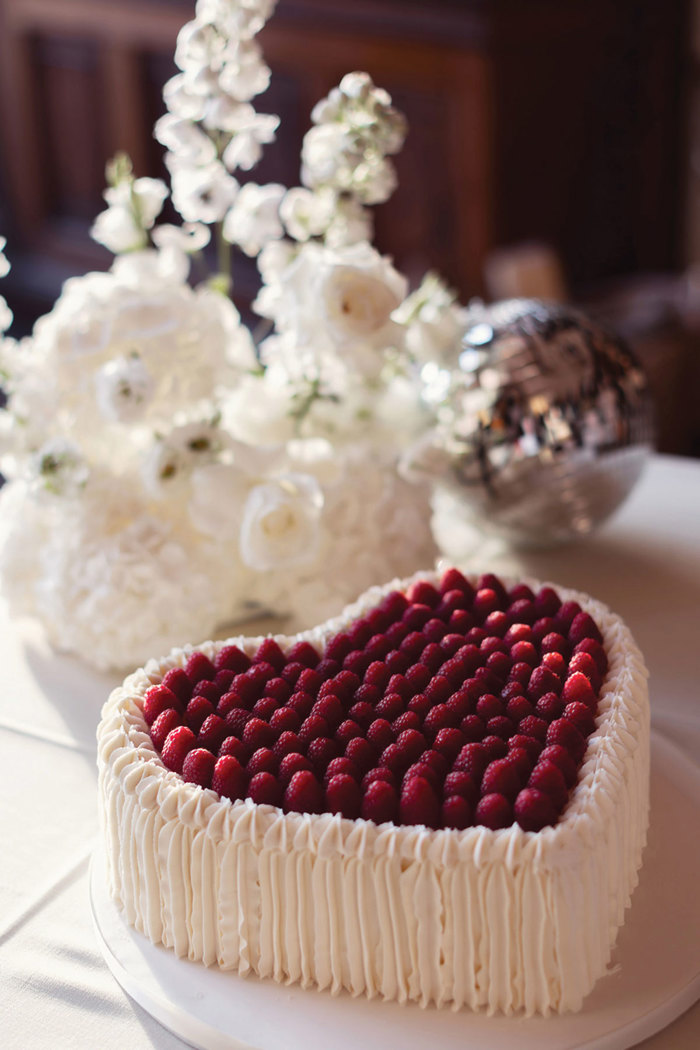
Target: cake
440,796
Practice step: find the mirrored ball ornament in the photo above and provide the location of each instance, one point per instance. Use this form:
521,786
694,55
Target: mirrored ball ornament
543,424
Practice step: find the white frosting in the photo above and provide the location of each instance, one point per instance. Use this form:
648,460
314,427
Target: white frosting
508,920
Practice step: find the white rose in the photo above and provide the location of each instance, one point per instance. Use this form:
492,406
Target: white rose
124,387
358,291
281,522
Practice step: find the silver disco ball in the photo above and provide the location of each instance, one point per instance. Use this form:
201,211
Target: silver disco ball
543,426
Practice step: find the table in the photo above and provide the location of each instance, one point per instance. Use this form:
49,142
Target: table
55,990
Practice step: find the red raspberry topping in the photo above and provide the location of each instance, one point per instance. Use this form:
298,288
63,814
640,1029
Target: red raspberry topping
231,658
342,765
178,743
199,667
269,652
563,732
303,653
164,723
287,743
303,794
264,788
378,773
579,689
176,680
198,767
456,812
494,811
285,718
419,803
343,796
547,602
534,810
212,733
229,779
207,690
595,650
562,759
379,802
501,777
156,700
473,759
423,593
198,709
362,752
581,716
548,778
460,783
291,764
262,761
453,580
236,720
258,734
236,748
321,751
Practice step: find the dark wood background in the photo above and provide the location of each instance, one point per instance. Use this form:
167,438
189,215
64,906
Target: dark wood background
556,120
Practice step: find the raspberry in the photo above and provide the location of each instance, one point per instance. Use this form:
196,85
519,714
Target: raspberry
178,743
269,652
396,634
367,694
301,703
549,707
547,602
419,704
460,704
554,643
518,632
321,751
555,662
419,803
229,779
343,796
511,689
562,759
341,765
393,605
198,709
398,684
290,672
541,628
312,727
246,688
533,726
347,730
392,757
303,794
522,762
291,764
258,734
472,728
235,748
177,681
265,789
380,733
377,674
208,690
525,743
156,700
496,623
378,647
534,810
223,681
439,717
198,767
451,601
309,681
565,616
362,713
377,621
485,602
413,645
262,761
278,689
379,802
228,701
438,689
406,720
397,662
492,644
475,636
265,708
522,611
495,747
489,706
461,621
448,742
437,761
520,674
548,778
518,708
199,667
412,744
495,583
330,708
359,634
434,630
259,673
458,782
595,650
357,661
287,743
303,653
231,658
164,723
577,688
524,653
501,777
421,769
500,726
362,752
389,707
453,580
285,718
378,773
542,681
565,733
453,669
585,664
500,665
489,682
456,813
472,759
337,648
581,716
584,626
342,685
494,811
423,593
212,733
416,617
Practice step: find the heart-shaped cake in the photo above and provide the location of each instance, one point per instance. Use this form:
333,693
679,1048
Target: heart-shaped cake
441,796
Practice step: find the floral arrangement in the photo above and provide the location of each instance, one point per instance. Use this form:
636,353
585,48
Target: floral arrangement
167,474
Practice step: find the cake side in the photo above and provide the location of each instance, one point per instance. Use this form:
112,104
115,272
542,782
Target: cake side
477,917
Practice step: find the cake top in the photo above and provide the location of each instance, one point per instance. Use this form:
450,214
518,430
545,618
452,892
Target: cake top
446,705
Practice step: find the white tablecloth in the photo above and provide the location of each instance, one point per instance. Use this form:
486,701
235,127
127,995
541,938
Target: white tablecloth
55,990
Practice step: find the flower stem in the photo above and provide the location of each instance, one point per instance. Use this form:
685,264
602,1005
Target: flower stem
223,257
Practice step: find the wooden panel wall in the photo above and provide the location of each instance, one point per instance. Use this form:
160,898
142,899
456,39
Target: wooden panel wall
527,120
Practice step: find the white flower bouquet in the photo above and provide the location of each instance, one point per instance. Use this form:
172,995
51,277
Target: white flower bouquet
166,474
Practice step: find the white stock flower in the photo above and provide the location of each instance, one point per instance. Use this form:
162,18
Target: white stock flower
124,387
202,194
281,522
118,230
181,100
254,218
324,157
350,223
306,213
186,140
188,238
244,73
239,18
6,315
4,262
218,493
250,132
133,207
60,468
435,322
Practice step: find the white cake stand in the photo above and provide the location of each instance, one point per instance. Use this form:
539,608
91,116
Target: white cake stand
655,975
